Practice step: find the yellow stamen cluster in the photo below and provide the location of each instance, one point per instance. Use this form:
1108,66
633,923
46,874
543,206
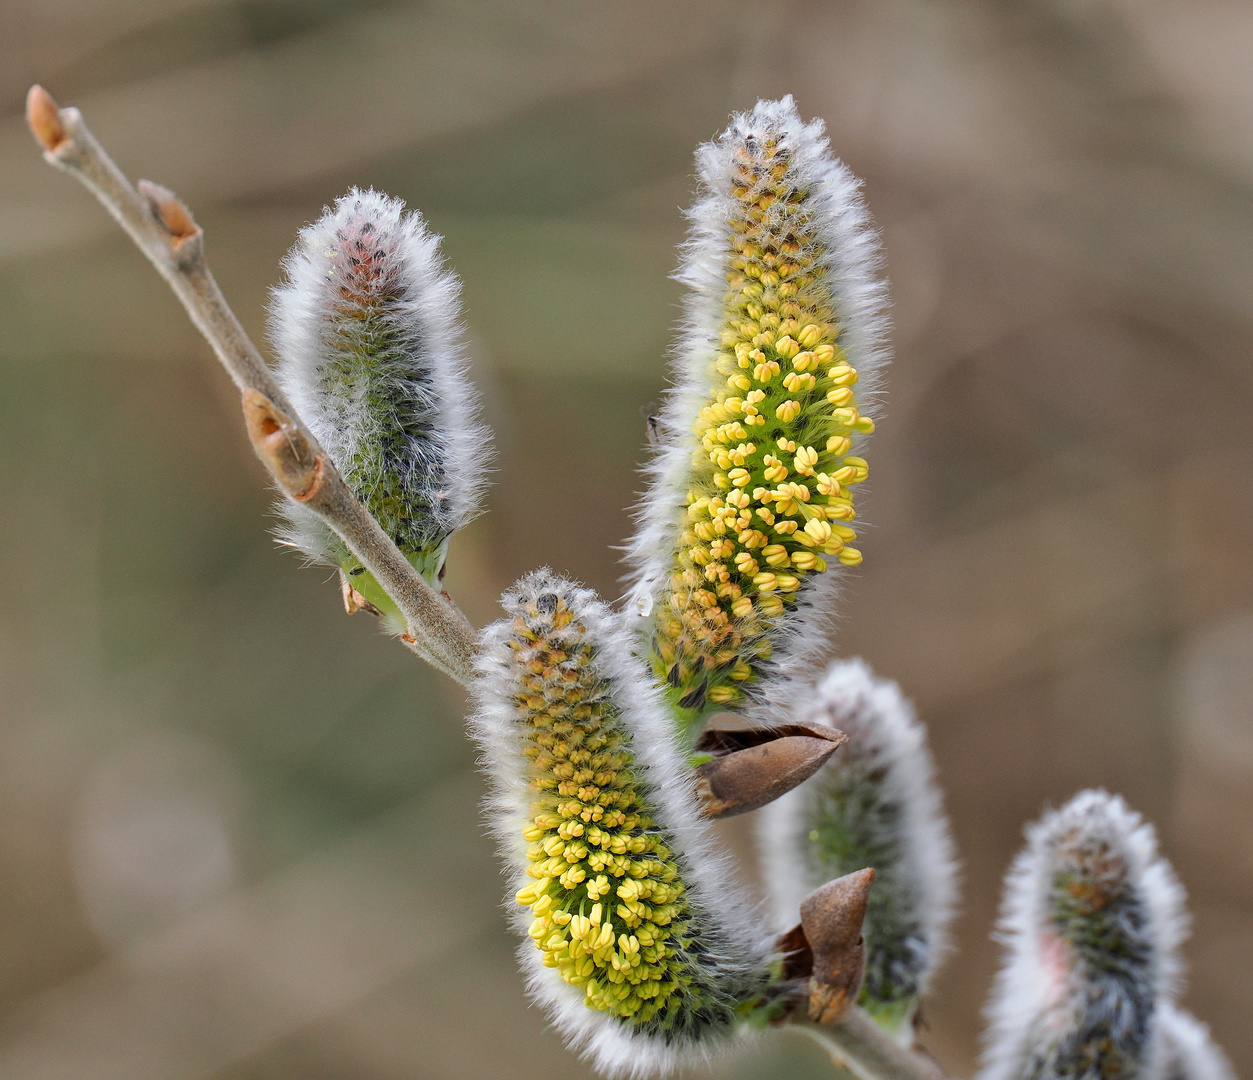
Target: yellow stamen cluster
770,497
607,897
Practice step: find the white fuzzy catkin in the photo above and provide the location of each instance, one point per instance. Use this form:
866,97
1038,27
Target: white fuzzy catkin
827,229
367,330
1188,1052
561,690
875,803
1092,920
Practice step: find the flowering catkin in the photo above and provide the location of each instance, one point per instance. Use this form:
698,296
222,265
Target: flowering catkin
1092,920
367,331
637,943
874,804
750,497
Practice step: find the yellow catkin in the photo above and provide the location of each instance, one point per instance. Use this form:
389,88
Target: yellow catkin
607,896
772,480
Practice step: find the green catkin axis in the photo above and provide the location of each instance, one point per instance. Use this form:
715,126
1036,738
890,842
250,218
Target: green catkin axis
369,344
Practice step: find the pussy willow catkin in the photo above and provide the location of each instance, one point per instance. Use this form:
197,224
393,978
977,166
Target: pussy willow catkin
751,502
1092,920
367,329
876,804
636,940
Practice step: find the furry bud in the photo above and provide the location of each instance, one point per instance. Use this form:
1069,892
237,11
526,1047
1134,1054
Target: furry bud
875,804
747,517
1092,920
634,938
370,352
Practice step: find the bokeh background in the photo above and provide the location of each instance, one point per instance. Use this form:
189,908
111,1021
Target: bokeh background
239,835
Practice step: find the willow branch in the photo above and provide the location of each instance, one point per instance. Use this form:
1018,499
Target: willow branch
869,1052
164,230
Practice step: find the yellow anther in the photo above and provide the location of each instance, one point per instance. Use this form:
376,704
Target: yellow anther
824,354
786,445
755,397
740,382
788,411
850,557
743,607
838,445
765,581
752,538
785,346
745,564
846,417
804,560
740,477
805,460
775,470
598,911
741,672
803,361
775,555
795,383
810,336
842,375
864,425
841,395
841,510
763,373
785,528
770,606
819,531
787,582
851,473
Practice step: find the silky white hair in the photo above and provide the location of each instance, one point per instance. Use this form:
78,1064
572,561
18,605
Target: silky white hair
735,953
848,253
1188,1050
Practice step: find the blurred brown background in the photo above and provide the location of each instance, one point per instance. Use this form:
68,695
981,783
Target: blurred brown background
239,837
